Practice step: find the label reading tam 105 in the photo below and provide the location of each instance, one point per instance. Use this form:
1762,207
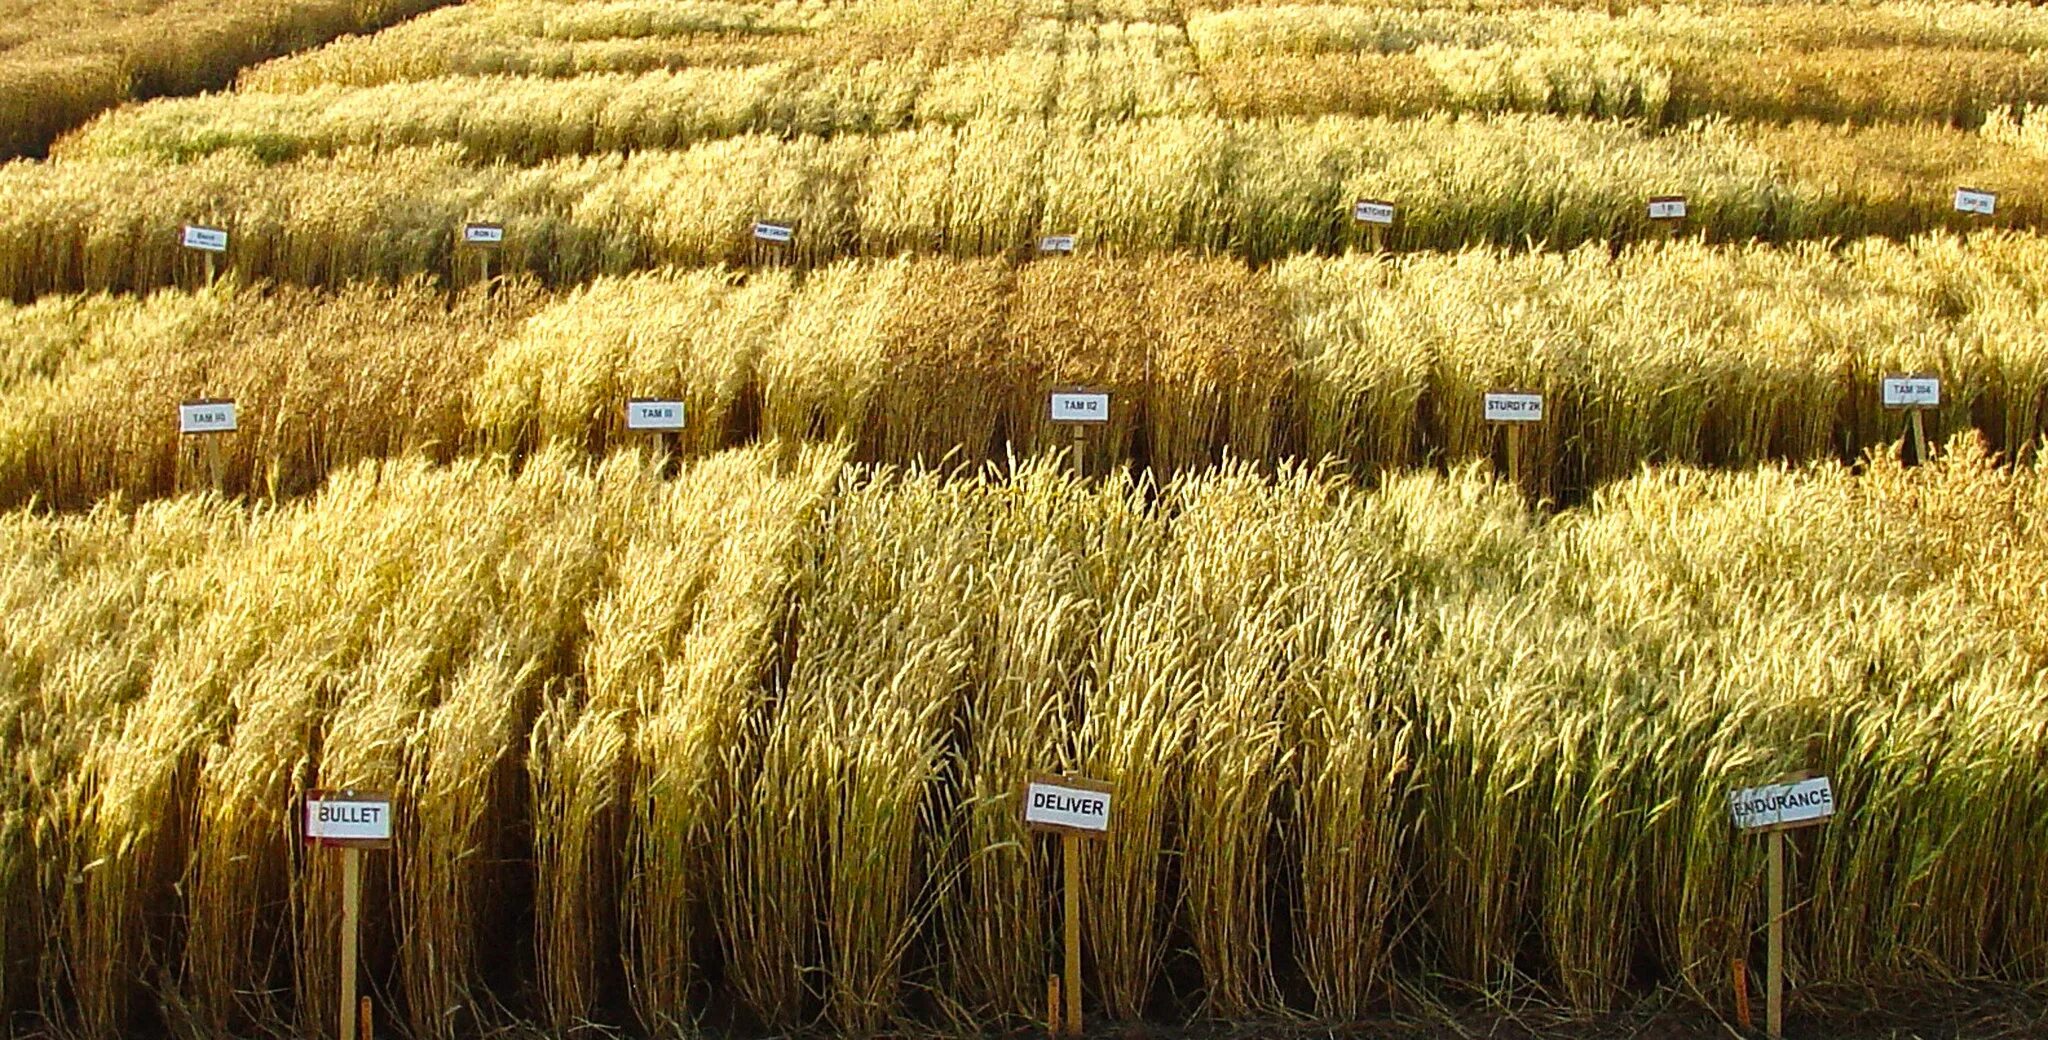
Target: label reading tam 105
646,413
1056,244
1667,207
1059,805
1372,211
206,417
1912,391
1779,805
346,818
205,239
483,234
779,233
1080,407
1970,200
1506,407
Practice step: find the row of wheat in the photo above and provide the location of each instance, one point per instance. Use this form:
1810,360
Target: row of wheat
1679,352
746,743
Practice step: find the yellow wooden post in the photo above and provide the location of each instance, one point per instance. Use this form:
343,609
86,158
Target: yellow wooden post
1070,851
351,911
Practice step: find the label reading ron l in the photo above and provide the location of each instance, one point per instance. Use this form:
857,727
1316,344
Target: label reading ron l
647,413
1667,207
1510,407
1373,211
345,818
483,234
205,239
1971,200
1067,806
206,417
1778,805
767,231
1080,407
1912,391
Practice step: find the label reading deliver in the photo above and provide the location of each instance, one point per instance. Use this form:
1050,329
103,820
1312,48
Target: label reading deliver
483,234
1513,407
1912,391
1075,806
1373,211
767,231
348,818
1782,805
206,417
1056,244
205,239
1971,200
1667,207
1080,407
647,413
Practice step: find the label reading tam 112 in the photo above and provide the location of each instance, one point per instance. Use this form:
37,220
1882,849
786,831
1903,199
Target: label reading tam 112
1777,805
646,413
206,417
1970,200
205,239
1507,407
1080,407
779,233
1373,211
1667,207
483,234
1912,391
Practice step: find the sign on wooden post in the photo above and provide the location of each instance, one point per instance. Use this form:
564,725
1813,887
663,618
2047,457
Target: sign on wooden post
1972,200
208,241
1667,207
1073,808
1793,802
1375,216
654,414
1914,394
1078,410
775,232
350,821
206,416
486,239
1057,245
1514,409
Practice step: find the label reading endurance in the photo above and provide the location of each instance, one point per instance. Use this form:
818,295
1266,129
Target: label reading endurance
1373,211
1781,805
1667,207
647,413
1970,200
1912,391
1514,407
205,239
1080,407
206,417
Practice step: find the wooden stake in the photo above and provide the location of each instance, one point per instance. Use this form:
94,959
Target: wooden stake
1080,451
1774,979
1919,438
1070,851
1739,968
216,466
351,909
1053,1018
1515,454
363,1014
209,268
1375,238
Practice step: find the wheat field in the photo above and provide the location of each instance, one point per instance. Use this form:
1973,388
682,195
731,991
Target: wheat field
722,731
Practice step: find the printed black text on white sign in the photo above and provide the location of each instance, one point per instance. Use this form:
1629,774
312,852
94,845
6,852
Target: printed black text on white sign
646,413
205,239
1780,805
346,818
1080,407
781,234
1056,244
1667,207
1373,211
1912,391
1971,200
206,417
1067,806
483,234
1514,407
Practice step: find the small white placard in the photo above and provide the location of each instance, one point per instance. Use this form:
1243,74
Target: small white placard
348,818
647,413
483,234
782,234
205,239
1083,406
1778,805
1067,805
1056,244
1667,207
1514,407
206,417
1912,391
1373,211
1970,200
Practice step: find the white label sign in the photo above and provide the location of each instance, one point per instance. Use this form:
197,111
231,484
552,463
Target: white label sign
483,234
1970,200
1372,211
780,233
206,239
206,417
1080,406
1067,806
1056,244
646,413
1912,391
1506,407
348,819
1667,207
1776,805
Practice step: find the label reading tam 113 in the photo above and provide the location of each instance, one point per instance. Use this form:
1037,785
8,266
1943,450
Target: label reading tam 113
205,239
1667,207
781,234
1067,806
646,413
1508,407
1912,391
1080,407
206,417
1970,200
1372,211
1777,805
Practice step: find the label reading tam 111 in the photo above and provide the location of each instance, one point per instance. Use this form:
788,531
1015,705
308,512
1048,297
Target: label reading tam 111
1777,805
1507,407
1970,200
1667,207
646,413
206,417
483,234
1080,407
1067,806
205,239
1372,211
1912,391
782,234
